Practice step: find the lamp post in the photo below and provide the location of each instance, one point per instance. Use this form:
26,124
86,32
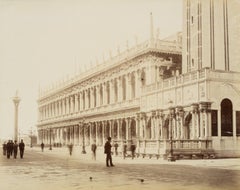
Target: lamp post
83,137
171,116
50,146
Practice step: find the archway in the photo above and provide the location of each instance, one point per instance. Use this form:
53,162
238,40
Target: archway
226,118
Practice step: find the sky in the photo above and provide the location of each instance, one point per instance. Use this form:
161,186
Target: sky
44,41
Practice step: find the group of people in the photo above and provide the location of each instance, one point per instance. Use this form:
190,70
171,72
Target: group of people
11,149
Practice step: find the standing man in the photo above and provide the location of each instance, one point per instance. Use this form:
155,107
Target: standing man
15,149
21,148
133,148
94,148
42,146
116,148
107,151
8,149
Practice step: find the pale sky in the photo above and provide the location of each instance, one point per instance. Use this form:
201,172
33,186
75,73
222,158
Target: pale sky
43,41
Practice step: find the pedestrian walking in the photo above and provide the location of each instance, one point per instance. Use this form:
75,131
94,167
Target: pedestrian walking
15,149
133,148
70,147
107,151
124,150
116,148
11,147
42,146
94,148
21,148
4,148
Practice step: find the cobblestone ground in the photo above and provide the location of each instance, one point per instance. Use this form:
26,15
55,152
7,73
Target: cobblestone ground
57,170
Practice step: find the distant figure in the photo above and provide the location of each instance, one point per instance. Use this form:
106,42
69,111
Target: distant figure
21,148
15,149
94,148
124,150
116,148
42,146
70,147
4,148
133,148
107,151
9,149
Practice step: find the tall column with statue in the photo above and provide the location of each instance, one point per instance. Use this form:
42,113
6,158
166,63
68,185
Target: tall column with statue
16,101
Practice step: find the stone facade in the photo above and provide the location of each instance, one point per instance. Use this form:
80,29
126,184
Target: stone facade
142,96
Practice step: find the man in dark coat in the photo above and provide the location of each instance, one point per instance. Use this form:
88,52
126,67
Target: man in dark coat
21,148
42,146
107,151
15,149
9,146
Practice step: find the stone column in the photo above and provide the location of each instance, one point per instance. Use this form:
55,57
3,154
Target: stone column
119,89
112,93
16,101
120,129
104,93
98,95
129,87
76,102
86,99
92,97
81,100
219,122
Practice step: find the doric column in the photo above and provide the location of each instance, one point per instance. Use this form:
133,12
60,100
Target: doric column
120,129
128,122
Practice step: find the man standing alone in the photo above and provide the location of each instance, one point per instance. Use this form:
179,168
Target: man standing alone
107,151
21,148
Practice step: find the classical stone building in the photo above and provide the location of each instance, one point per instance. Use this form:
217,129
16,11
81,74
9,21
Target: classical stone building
148,96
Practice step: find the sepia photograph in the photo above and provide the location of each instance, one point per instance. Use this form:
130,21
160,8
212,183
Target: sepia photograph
119,94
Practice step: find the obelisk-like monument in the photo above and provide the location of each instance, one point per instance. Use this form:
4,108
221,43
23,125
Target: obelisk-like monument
16,101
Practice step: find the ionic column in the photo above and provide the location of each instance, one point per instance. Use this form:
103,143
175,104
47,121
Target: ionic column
76,102
104,93
81,100
112,94
67,105
63,106
120,98
98,95
129,87
86,99
91,97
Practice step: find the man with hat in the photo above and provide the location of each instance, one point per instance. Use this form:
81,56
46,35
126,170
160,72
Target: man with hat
107,151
